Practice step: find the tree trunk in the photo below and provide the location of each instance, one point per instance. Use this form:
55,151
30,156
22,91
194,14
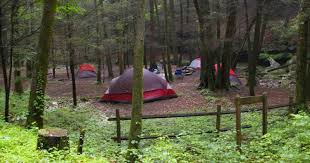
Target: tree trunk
71,59
247,26
255,52
205,32
301,58
97,50
308,63
67,70
172,31
166,44
109,64
152,37
54,62
228,43
4,57
121,62
137,98
181,34
18,85
219,83
37,93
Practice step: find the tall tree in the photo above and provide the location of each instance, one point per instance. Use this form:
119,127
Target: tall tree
181,34
70,50
4,61
167,55
137,98
261,20
303,41
205,33
172,31
18,85
38,84
152,37
228,43
97,49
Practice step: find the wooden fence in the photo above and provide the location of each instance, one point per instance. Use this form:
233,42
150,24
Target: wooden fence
239,101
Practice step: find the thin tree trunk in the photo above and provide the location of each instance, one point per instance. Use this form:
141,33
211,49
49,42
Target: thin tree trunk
4,56
308,63
181,34
18,85
301,57
121,62
97,50
152,37
255,52
247,26
67,70
137,98
218,50
53,60
172,31
38,85
166,44
71,59
109,64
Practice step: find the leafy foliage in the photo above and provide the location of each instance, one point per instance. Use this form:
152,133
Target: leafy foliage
287,140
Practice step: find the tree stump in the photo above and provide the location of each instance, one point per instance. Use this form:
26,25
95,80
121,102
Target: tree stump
53,139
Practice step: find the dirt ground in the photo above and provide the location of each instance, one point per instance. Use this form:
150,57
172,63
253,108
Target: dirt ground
189,98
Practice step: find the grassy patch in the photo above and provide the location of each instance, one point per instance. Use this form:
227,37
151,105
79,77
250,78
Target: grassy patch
287,140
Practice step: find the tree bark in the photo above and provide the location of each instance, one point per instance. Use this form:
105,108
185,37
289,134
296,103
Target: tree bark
37,99
172,31
97,50
228,43
166,44
207,69
301,58
181,34
219,83
255,52
4,61
71,59
152,37
18,84
137,100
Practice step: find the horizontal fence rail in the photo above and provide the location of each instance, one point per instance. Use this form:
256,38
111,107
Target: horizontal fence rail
199,114
238,102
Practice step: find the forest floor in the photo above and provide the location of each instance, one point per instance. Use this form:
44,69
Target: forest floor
189,98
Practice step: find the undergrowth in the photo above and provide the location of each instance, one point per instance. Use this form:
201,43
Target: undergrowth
287,139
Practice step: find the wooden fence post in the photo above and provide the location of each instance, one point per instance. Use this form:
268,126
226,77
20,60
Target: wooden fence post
290,107
218,118
265,111
238,123
118,127
81,141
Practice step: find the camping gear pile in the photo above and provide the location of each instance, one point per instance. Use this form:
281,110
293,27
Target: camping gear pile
154,87
178,74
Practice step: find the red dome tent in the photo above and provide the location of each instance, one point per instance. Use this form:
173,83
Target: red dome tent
155,88
86,71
